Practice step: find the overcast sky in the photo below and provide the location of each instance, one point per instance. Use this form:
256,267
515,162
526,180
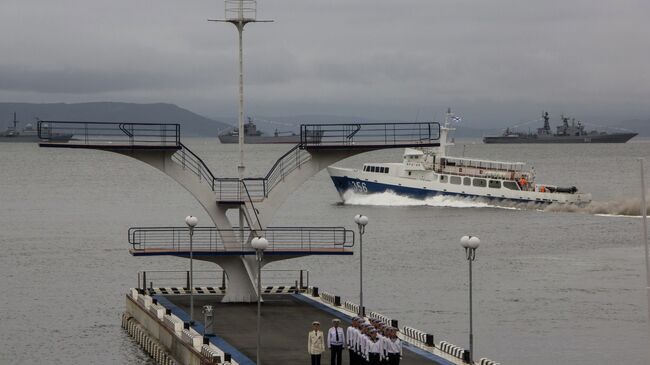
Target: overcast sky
496,62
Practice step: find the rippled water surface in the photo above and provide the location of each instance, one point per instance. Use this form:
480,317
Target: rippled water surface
551,286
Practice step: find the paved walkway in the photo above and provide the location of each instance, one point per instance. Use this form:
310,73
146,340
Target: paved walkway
286,320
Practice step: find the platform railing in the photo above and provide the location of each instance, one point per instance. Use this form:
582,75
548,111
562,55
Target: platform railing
368,134
211,239
110,134
216,278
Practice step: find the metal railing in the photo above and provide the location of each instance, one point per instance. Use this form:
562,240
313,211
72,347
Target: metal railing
241,9
216,278
249,189
211,239
111,133
368,134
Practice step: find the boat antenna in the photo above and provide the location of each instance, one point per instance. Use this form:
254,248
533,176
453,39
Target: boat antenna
239,13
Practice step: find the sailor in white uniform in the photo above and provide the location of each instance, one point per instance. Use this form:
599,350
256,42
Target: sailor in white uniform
363,343
335,342
374,349
394,347
351,336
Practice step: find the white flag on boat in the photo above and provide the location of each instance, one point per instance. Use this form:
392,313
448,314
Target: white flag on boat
456,119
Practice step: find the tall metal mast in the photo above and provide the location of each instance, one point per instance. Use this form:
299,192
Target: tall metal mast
239,13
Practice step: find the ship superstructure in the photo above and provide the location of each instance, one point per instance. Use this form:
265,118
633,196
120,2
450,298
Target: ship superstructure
427,172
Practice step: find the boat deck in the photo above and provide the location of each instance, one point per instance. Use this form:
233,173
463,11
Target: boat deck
285,322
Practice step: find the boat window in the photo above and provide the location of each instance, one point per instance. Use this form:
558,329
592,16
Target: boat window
510,185
382,170
386,170
495,184
372,169
455,180
444,178
481,183
467,181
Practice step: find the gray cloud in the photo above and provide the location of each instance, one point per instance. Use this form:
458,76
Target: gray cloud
497,60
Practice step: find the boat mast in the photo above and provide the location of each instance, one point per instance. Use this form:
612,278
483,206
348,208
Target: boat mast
444,134
239,13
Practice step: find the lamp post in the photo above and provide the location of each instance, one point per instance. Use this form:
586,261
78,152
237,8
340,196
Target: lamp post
259,244
644,225
361,221
191,222
470,244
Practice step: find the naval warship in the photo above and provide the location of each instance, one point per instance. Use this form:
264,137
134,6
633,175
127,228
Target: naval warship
573,132
254,136
29,134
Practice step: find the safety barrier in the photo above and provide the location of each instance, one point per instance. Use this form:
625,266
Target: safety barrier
174,323
418,335
278,289
144,300
157,310
486,361
331,299
148,344
352,307
211,353
454,350
384,319
192,337
212,239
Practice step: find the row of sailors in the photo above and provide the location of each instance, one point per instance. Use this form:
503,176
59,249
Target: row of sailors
369,342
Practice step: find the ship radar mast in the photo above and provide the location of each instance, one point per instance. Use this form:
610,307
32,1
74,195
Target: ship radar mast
444,133
239,13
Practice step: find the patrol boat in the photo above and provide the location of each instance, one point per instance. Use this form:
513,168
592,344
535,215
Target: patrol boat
428,172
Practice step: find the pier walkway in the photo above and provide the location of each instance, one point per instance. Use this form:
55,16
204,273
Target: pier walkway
286,319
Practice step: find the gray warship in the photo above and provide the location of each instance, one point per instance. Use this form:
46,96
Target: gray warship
573,132
29,134
254,136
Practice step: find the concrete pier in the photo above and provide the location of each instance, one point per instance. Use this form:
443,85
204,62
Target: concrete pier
286,320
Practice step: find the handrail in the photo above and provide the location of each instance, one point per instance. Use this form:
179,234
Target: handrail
212,239
375,135
351,135
254,188
114,134
252,205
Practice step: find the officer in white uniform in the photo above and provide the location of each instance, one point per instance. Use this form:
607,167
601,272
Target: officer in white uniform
335,342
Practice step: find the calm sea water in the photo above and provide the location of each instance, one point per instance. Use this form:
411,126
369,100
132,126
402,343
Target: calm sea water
550,287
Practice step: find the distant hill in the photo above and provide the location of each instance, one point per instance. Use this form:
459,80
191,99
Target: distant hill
191,123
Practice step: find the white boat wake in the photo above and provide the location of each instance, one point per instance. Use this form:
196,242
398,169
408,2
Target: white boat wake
392,199
627,208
